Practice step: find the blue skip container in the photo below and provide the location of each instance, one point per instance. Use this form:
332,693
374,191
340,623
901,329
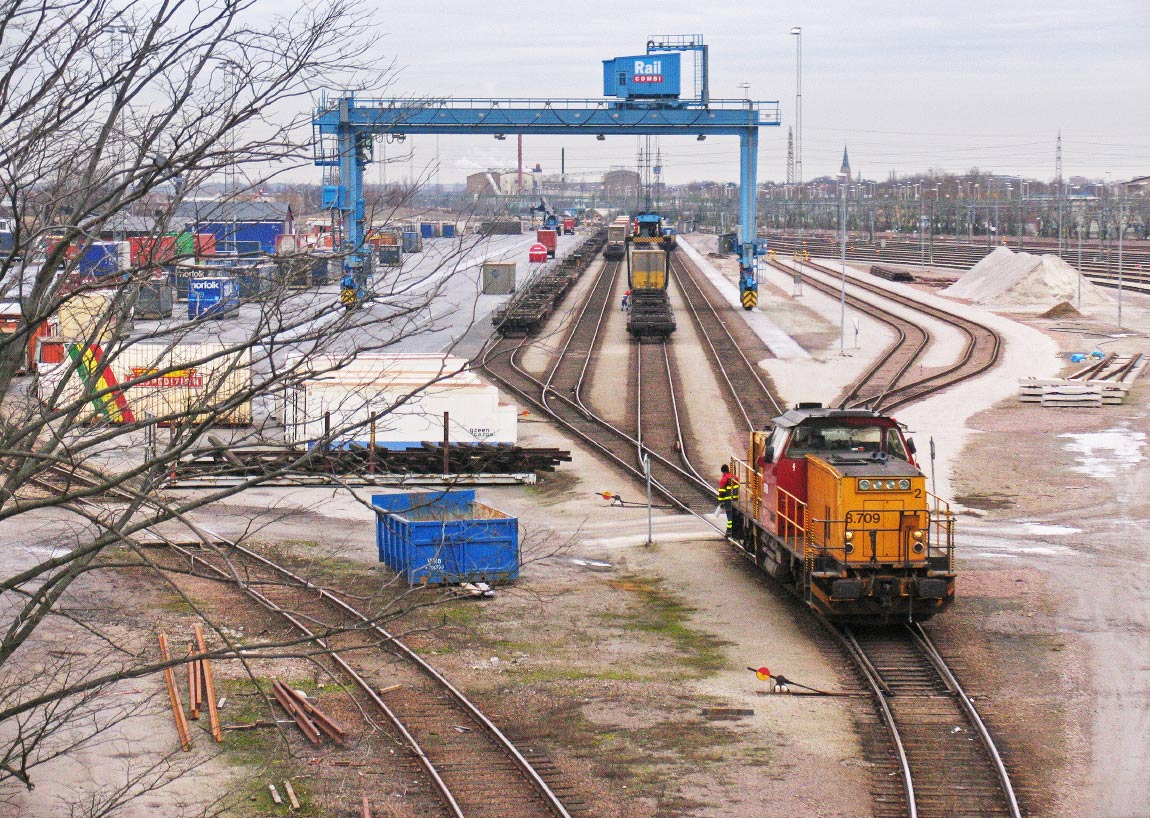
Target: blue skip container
436,537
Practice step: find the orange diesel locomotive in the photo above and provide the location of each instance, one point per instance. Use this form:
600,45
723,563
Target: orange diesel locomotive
833,504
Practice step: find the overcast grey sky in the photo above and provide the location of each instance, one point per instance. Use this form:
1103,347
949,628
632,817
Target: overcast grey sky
906,86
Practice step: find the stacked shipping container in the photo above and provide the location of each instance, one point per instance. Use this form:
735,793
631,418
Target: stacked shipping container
407,396
127,384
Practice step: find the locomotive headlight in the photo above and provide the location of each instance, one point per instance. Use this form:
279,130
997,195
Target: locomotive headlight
918,548
850,535
903,485
864,485
890,485
917,534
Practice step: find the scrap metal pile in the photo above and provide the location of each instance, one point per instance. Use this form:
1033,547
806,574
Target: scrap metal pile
526,311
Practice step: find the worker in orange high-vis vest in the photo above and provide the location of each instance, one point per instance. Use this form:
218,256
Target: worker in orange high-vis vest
728,494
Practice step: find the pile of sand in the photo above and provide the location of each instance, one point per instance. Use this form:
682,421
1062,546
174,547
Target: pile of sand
1008,279
1063,309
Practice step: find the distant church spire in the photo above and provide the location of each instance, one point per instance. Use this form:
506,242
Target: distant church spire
845,170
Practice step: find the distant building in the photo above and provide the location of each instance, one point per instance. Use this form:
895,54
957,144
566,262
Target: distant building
622,183
484,183
121,226
1139,186
492,183
239,227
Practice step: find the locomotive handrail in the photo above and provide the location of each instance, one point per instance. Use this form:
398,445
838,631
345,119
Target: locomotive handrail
941,532
789,507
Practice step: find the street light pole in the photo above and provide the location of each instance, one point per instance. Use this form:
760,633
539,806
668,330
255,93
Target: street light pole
797,31
844,177
1121,230
1020,214
1081,224
921,233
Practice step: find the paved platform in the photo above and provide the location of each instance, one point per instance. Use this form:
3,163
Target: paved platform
778,342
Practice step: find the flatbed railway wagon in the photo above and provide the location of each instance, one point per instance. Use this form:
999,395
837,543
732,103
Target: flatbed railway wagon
832,503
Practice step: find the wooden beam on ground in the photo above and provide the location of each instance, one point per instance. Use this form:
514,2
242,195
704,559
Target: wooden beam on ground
321,719
174,696
291,795
289,704
209,685
193,684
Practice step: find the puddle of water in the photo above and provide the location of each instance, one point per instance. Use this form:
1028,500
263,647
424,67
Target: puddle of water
594,565
1047,530
1001,544
1102,454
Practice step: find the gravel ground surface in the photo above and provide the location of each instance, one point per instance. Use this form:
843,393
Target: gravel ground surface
607,651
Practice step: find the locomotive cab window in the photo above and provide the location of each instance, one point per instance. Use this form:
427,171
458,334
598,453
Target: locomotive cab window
778,438
846,438
894,445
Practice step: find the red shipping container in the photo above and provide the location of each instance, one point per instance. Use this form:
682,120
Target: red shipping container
34,342
50,350
548,239
537,253
147,251
205,244
11,318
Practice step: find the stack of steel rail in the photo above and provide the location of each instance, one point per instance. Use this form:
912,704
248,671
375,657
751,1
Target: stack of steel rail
461,460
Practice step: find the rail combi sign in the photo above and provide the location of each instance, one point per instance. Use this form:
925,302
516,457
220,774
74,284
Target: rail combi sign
642,76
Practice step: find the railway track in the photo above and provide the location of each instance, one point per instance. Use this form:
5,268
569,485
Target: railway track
472,768
727,340
886,384
560,395
1099,265
944,761
936,770
469,766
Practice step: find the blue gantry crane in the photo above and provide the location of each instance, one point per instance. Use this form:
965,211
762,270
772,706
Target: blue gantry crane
642,96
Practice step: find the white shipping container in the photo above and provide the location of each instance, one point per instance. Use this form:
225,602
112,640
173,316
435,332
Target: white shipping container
184,377
408,394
